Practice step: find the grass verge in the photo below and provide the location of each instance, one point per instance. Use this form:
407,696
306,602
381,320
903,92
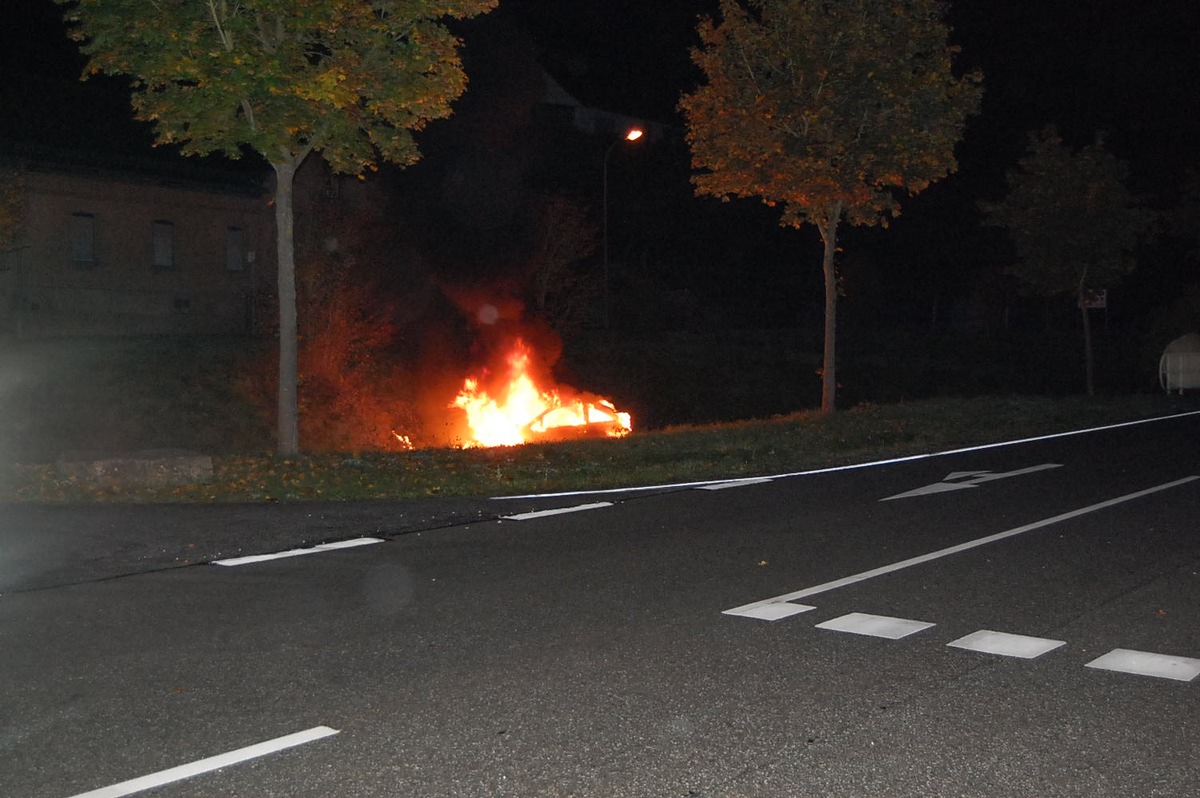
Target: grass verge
788,444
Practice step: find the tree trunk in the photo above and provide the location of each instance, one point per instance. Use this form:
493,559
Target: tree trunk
1089,369
288,421
829,358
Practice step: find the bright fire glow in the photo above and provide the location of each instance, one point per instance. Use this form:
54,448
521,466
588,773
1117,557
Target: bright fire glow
521,411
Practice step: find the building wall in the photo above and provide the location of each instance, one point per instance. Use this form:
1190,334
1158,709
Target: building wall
106,252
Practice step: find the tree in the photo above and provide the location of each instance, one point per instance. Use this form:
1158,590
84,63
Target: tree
12,207
350,79
825,109
1072,222
1182,220
561,236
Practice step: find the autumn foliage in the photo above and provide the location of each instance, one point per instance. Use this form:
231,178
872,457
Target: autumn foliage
349,79
826,110
354,392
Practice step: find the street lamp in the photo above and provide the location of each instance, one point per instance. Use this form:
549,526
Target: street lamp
633,134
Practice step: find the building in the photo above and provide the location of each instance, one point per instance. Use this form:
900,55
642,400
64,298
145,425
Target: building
119,246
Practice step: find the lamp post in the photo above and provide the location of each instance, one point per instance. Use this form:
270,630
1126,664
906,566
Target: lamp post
633,134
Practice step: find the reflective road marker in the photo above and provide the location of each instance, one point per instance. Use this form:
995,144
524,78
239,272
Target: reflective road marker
1144,663
210,764
986,641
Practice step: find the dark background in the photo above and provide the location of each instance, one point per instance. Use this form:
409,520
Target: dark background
700,286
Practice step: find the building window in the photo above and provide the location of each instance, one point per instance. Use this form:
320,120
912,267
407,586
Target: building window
164,245
235,249
83,239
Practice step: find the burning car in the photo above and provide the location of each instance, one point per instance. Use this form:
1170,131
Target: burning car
511,407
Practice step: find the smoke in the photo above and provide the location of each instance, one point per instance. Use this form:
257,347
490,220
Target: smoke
491,323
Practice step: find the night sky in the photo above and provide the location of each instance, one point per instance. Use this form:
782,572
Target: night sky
1126,68
1129,68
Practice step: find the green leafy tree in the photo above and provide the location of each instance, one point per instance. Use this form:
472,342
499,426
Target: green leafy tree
350,79
827,110
1073,223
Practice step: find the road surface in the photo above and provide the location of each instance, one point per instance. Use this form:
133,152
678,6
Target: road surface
1020,620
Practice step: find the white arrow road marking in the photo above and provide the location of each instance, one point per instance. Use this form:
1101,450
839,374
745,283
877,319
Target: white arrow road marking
969,479
964,474
207,765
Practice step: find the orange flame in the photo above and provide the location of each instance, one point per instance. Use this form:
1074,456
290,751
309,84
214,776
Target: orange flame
522,412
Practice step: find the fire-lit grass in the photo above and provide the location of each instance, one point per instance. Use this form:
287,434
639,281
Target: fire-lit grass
779,445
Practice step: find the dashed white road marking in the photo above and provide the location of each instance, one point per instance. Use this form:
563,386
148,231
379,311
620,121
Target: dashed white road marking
735,483
773,612
861,623
279,555
748,610
556,511
210,764
1145,663
1005,644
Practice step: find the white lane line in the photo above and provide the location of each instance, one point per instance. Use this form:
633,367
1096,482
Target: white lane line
852,466
556,511
861,623
1005,644
279,555
749,609
1144,663
735,483
210,764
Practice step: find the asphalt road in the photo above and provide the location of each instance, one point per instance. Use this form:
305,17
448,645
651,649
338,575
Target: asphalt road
626,647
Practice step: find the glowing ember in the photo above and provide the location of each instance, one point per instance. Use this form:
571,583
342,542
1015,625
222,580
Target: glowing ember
521,412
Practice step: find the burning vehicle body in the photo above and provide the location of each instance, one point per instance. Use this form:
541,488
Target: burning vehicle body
510,406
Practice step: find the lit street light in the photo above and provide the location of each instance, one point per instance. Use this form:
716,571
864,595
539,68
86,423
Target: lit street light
632,135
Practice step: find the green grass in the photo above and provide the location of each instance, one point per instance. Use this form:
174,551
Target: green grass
781,445
120,395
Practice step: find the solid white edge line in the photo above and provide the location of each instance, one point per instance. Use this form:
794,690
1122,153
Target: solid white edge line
211,763
556,511
851,467
971,544
279,555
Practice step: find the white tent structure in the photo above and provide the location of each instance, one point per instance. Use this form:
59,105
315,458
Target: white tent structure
1179,366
